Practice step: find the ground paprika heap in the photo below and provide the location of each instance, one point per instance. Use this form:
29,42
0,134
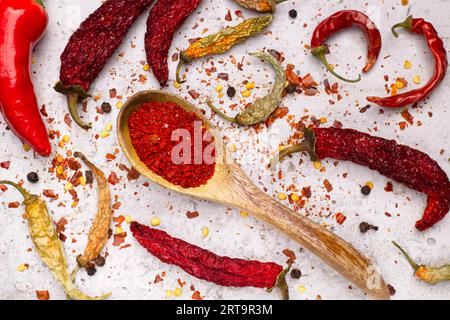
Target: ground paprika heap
173,143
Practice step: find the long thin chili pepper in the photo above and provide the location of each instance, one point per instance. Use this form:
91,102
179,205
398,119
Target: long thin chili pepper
259,5
222,41
436,46
208,266
343,20
91,46
47,243
165,18
98,234
403,164
261,109
22,24
432,275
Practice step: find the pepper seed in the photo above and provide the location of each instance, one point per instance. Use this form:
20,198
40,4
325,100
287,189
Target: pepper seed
33,177
293,13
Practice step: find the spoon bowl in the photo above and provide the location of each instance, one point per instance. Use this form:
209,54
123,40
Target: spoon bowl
230,186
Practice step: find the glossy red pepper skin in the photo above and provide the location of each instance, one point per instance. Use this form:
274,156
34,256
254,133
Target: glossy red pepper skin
22,24
401,163
436,46
343,20
165,18
204,264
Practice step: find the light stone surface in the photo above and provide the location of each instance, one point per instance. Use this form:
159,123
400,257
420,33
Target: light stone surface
129,272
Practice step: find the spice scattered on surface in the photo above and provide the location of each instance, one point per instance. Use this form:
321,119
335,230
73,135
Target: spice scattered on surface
293,13
296,273
365,227
33,177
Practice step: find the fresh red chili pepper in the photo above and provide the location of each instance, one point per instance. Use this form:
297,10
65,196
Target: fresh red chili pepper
401,163
160,132
203,264
436,46
339,21
91,46
164,20
22,24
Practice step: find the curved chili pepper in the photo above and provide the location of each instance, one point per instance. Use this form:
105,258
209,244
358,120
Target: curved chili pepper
164,20
22,24
261,109
208,266
91,46
403,164
436,46
339,21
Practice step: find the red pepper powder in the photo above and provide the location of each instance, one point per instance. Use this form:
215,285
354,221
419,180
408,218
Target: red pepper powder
151,129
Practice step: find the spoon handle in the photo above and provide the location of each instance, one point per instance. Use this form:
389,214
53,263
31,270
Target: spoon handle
336,252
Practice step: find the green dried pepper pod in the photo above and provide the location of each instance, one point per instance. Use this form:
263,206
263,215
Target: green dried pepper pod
262,108
47,243
222,41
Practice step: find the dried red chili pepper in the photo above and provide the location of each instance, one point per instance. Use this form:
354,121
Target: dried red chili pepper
173,143
436,46
403,164
22,24
206,265
164,20
339,21
91,46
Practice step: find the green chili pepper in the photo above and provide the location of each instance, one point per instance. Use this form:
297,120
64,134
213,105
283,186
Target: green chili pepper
261,109
47,243
428,274
222,41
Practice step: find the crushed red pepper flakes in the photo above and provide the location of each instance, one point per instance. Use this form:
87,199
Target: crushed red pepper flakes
5,164
61,225
43,294
196,296
340,218
14,205
113,178
194,94
192,214
389,187
328,185
119,239
407,116
290,254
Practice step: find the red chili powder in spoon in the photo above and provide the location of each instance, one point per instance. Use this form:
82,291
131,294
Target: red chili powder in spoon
173,143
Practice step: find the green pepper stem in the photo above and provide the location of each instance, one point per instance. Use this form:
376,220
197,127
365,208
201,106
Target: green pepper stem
220,113
180,65
72,101
414,265
39,2
279,1
22,191
281,283
323,58
407,24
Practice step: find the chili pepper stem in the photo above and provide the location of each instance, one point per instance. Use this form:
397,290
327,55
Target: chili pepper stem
220,113
414,265
72,101
407,24
180,65
324,60
281,283
279,1
22,191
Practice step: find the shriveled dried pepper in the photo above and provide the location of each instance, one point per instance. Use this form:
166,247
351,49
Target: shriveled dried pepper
165,18
401,163
436,46
339,21
223,41
261,109
431,275
259,5
47,243
98,234
91,46
208,266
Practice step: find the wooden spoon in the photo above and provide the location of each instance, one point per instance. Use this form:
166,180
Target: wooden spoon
231,186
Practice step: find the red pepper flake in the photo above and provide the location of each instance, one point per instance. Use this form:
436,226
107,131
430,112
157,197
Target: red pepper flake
113,179
158,279
112,93
239,14
223,76
133,174
194,94
306,192
43,295
5,164
387,214
196,296
118,220
340,218
50,194
291,76
110,157
228,16
119,239
407,116
192,214
389,187
3,187
328,185
290,254
308,81
61,225
14,205
68,120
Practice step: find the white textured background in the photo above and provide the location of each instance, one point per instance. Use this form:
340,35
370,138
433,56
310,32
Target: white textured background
129,272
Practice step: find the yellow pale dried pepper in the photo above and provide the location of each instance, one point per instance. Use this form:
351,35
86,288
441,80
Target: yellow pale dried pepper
259,5
47,243
222,41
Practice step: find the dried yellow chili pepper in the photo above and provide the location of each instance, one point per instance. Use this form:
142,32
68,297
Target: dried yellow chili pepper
262,108
259,5
222,41
47,243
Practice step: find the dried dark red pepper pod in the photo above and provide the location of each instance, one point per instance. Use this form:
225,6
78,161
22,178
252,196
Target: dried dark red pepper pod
91,46
401,163
436,46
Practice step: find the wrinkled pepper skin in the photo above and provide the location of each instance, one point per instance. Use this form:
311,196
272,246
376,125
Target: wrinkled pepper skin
204,264
22,24
401,163
165,18
258,5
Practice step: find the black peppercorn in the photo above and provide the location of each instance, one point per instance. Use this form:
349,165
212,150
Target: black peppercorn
100,261
296,273
293,13
366,190
33,177
89,177
364,227
231,92
91,271
106,107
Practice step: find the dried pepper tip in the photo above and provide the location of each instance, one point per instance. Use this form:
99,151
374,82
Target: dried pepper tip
74,93
321,52
22,191
282,284
220,113
407,24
